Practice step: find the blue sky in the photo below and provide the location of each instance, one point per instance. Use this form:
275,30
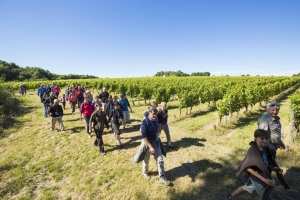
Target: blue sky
135,38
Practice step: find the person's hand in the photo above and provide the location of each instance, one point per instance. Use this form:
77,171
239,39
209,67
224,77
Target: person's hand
270,182
277,169
50,114
90,131
152,150
281,145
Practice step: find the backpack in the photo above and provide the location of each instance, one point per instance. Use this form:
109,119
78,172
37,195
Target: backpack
72,98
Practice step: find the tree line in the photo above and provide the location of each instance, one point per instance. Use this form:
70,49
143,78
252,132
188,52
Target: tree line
13,72
180,73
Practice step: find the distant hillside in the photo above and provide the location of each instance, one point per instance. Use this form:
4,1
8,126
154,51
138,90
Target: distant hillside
13,72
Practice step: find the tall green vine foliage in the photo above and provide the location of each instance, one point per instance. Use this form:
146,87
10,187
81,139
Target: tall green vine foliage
295,105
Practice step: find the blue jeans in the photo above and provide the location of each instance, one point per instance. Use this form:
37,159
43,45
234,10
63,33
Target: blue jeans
73,105
166,130
87,121
79,104
45,110
157,156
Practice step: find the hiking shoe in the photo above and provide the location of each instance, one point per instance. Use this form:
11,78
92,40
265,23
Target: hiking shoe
89,135
102,153
146,175
171,145
164,180
230,197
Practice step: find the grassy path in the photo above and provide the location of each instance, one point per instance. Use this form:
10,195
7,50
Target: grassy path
36,163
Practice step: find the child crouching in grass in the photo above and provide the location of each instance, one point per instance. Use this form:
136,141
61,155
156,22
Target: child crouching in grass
259,164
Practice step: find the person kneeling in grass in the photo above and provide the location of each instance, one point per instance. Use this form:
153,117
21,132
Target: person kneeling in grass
98,120
259,163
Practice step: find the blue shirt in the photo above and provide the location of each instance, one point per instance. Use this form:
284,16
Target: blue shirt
149,129
41,91
124,104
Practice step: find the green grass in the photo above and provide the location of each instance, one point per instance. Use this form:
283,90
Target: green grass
36,163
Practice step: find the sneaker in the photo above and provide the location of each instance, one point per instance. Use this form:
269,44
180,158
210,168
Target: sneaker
164,180
171,145
89,135
230,197
146,175
120,143
102,153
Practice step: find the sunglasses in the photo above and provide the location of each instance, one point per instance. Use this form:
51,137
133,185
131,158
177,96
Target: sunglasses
274,105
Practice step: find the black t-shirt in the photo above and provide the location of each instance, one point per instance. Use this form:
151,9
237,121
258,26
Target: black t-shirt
80,97
103,96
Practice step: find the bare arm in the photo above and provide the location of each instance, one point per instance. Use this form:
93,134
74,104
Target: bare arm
265,180
152,150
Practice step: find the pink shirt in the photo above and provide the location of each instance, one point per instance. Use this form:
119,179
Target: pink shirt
63,99
87,109
73,97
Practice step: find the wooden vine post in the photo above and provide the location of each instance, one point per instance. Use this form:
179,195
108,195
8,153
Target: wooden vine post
292,118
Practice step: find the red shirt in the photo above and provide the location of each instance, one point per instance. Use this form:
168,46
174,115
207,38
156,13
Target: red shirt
87,108
56,89
73,97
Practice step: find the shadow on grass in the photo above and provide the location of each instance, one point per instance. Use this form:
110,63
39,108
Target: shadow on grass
75,129
192,169
116,146
292,177
199,113
214,180
5,168
211,179
72,120
186,142
16,112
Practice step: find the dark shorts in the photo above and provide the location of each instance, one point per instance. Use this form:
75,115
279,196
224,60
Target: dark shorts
116,128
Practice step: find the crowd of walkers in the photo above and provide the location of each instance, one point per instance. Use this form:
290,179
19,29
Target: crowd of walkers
115,110
98,112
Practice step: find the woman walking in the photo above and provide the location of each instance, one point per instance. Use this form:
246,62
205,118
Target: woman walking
46,104
86,109
73,100
124,105
63,101
116,117
163,123
97,121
